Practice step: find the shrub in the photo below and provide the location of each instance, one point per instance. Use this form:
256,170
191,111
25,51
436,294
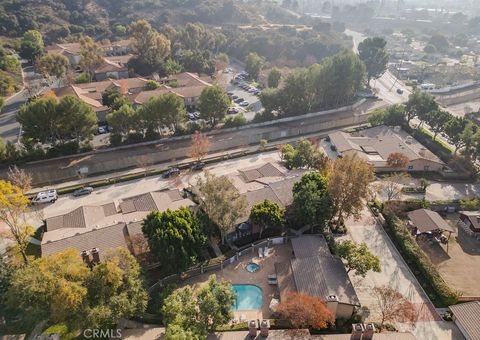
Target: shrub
263,116
133,138
470,205
428,275
235,121
115,139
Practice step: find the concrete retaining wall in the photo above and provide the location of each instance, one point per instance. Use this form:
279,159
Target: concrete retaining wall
62,169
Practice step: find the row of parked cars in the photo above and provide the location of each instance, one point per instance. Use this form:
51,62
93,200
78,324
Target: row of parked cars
51,195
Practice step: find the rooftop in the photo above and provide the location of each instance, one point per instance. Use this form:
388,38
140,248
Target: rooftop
467,315
315,271
377,143
427,220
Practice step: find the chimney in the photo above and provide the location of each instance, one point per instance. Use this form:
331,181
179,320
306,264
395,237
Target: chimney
332,304
252,328
368,332
357,331
264,327
85,254
95,256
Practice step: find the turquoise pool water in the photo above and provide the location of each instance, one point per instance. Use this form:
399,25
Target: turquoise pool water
252,267
248,297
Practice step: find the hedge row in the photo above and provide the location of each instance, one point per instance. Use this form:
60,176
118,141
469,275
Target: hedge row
438,290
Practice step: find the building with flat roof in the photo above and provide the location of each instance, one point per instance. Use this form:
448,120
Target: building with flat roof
376,144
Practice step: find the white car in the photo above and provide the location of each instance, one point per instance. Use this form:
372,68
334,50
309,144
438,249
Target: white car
191,116
49,196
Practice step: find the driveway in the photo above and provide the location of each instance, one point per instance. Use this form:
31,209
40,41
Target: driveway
448,191
395,274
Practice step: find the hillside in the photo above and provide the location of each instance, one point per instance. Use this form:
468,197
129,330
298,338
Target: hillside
59,18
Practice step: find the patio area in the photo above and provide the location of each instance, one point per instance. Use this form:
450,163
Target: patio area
237,273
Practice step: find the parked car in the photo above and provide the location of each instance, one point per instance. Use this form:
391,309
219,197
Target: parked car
102,129
257,92
234,97
171,173
191,116
252,90
49,196
230,93
245,103
198,166
233,110
83,191
239,100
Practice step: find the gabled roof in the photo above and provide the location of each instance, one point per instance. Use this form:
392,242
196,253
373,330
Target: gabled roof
143,96
266,170
72,48
310,245
109,66
156,200
473,217
427,220
467,315
81,217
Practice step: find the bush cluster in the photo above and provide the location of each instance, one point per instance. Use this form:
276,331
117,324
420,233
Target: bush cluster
438,290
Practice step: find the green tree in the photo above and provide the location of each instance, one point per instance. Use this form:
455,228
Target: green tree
221,201
311,200
123,120
393,115
440,43
357,257
115,290
303,155
6,273
152,85
175,238
373,53
453,129
31,45
173,112
437,120
54,65
199,311
91,53
51,288
270,99
274,78
419,104
77,119
253,65
214,103
61,288
40,120
109,96
349,186
150,46
267,215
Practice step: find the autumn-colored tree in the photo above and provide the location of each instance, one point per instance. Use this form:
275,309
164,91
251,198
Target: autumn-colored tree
200,145
13,205
348,185
221,201
305,311
393,306
397,161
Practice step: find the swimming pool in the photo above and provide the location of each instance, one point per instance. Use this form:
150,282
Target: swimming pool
248,297
252,267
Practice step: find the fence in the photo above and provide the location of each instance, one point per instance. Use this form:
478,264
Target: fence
250,249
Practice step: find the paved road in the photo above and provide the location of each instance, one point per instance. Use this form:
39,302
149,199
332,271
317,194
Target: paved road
102,161
395,273
9,127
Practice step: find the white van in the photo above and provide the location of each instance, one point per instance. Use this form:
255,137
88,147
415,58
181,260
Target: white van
49,196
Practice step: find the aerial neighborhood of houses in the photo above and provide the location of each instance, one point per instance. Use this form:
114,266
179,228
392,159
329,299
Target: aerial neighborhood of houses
239,170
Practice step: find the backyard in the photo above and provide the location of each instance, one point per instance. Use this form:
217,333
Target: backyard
455,260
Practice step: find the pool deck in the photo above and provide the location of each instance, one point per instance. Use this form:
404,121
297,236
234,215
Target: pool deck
237,274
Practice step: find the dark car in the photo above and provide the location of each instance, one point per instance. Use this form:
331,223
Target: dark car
230,93
83,191
233,110
198,166
239,100
171,172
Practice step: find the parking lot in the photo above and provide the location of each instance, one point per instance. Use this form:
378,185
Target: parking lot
254,101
